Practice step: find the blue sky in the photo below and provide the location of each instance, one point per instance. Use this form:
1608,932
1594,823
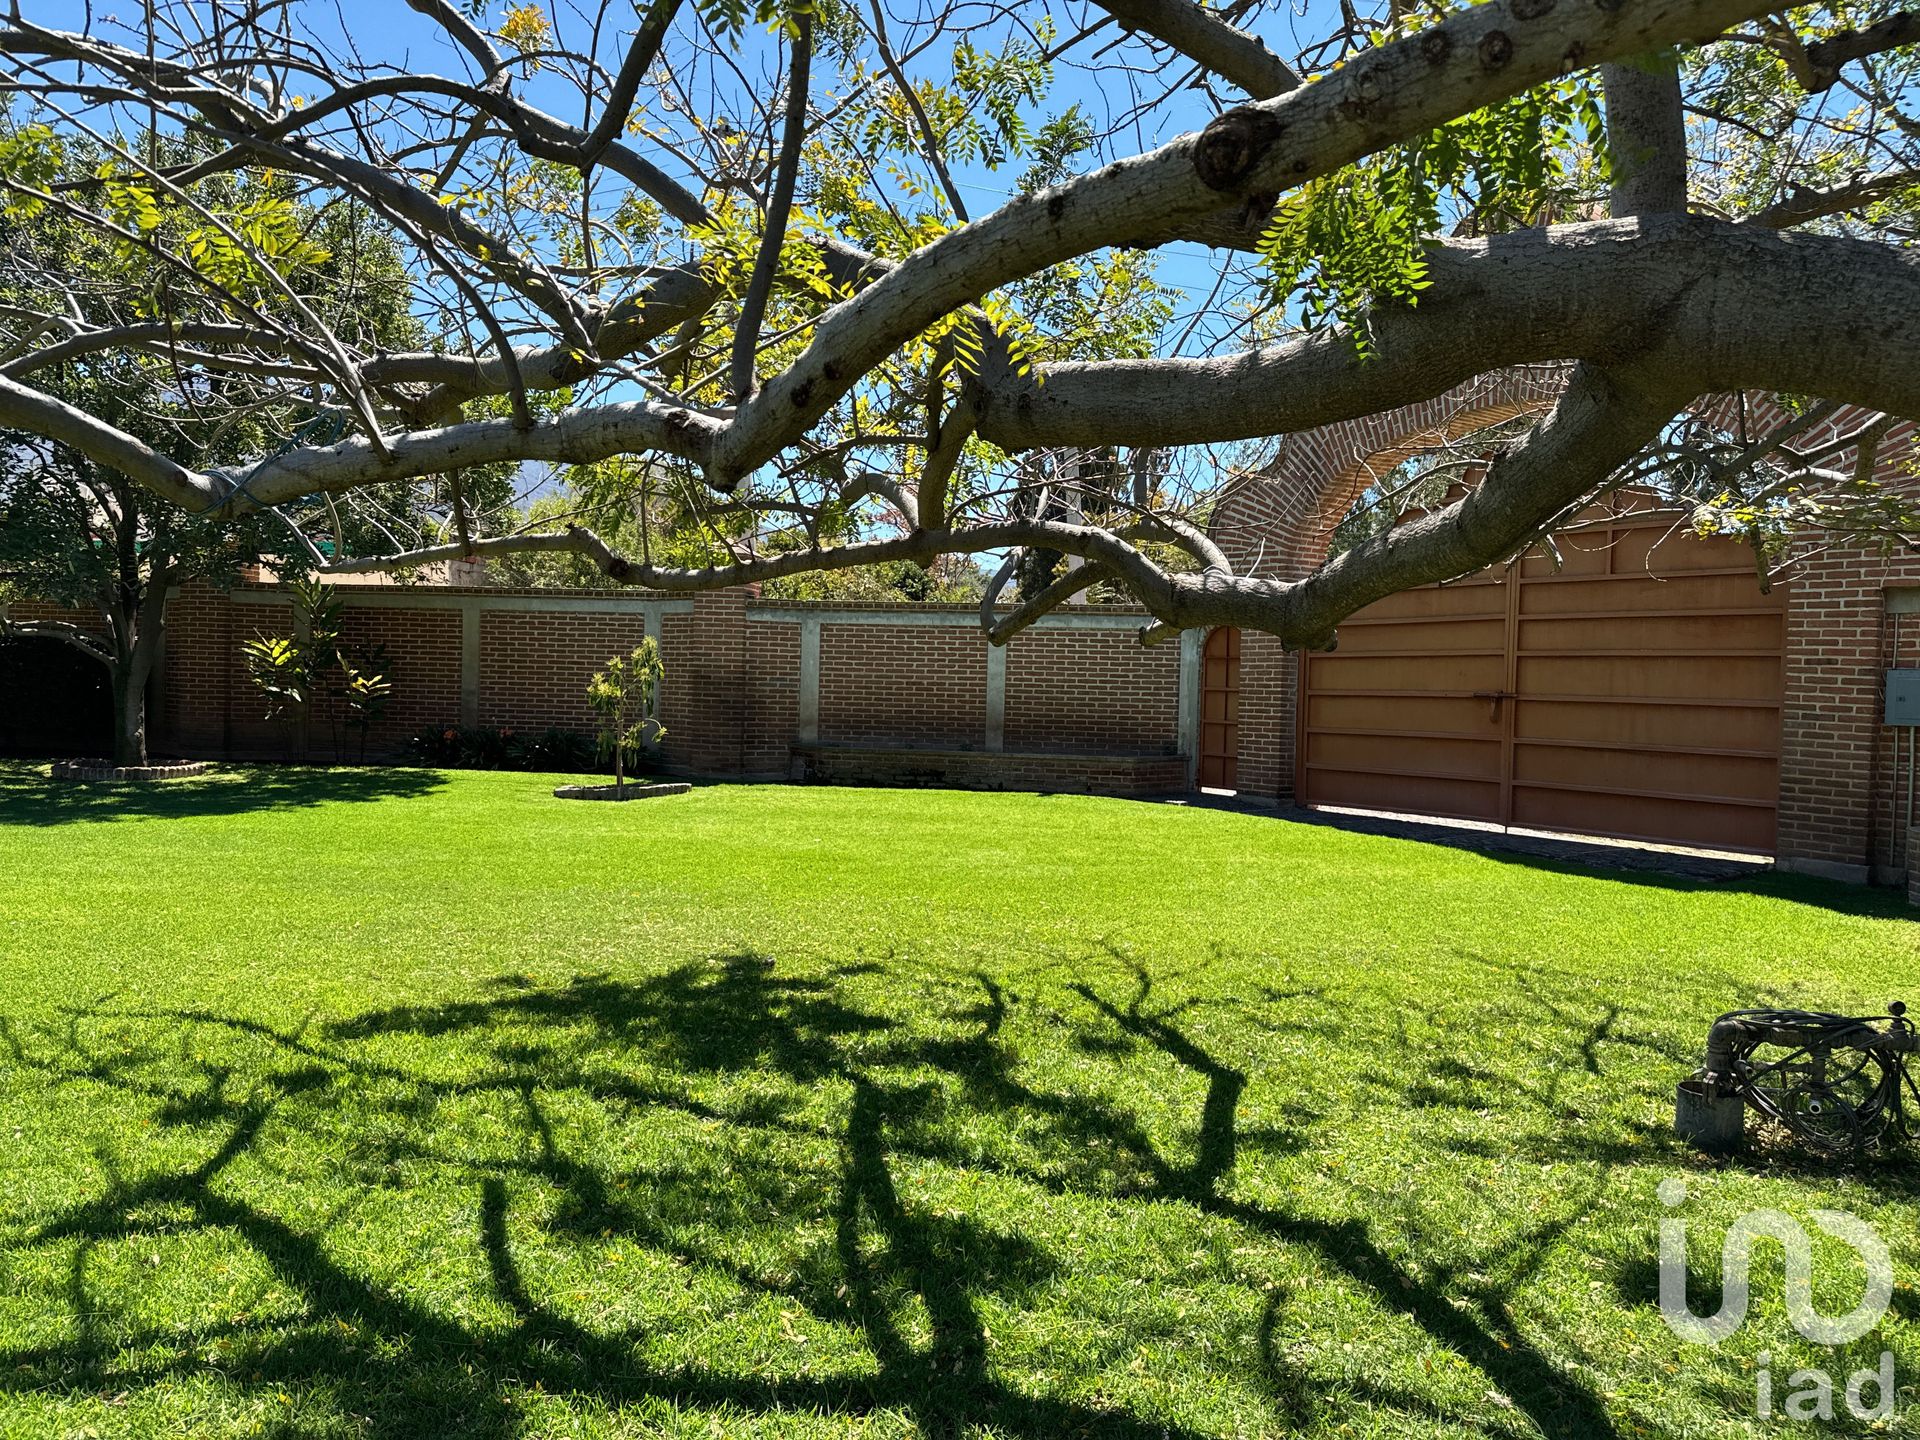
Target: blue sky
386,32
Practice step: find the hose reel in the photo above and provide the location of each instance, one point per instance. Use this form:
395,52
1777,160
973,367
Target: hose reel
1834,1082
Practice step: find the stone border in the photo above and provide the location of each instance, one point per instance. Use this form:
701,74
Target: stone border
634,792
107,770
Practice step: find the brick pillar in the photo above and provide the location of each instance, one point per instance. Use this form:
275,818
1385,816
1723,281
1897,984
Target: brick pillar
1839,813
1269,676
711,679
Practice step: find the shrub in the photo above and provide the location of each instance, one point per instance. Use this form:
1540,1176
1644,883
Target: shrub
311,674
554,749
483,747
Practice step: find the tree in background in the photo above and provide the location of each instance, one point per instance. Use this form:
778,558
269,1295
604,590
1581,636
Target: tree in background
863,287
623,696
629,505
78,532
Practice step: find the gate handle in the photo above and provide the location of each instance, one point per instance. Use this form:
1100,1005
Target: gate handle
1493,699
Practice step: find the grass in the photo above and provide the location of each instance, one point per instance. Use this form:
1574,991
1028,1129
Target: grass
399,1103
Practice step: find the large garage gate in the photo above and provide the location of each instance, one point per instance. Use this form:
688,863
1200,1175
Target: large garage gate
1632,691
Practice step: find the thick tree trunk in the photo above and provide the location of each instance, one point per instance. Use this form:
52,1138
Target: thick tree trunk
137,635
129,718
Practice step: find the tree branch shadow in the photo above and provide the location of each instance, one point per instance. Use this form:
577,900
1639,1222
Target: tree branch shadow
889,1259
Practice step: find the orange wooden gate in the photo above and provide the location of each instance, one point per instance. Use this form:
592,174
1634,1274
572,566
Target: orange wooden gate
1220,710
1634,690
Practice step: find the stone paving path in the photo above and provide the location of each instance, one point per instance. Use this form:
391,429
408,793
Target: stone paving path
1644,856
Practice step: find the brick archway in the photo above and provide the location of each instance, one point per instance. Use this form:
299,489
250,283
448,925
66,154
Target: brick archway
1278,522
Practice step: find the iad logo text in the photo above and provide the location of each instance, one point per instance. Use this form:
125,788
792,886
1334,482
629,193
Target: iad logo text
1809,1393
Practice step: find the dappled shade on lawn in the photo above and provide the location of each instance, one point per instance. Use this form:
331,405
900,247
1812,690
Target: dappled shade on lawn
906,1167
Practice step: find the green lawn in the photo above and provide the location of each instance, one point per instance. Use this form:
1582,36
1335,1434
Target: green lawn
398,1103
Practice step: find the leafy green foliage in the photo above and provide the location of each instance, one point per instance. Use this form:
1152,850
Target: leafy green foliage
313,674
728,18
953,580
278,667
30,160
1357,238
484,747
366,689
1774,138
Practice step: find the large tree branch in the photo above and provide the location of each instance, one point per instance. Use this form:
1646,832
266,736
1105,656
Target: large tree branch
1804,203
1145,578
1478,56
753,305
1062,588
641,53
464,33
1824,58
576,437
24,408
1646,139
1821,315
1601,422
1741,308
156,335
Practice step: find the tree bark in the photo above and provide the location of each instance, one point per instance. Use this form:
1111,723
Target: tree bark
129,719
138,631
1646,139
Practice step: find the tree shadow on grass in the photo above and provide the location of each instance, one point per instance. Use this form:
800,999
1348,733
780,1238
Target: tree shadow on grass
903,1280
29,797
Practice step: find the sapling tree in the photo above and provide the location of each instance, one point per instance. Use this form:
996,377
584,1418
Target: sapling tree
623,697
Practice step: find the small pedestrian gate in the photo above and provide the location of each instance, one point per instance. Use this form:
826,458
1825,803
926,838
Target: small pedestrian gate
1220,710
1633,690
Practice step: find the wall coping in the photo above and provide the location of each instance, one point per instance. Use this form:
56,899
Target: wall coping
945,617
637,601
1127,757
931,607
424,591
548,602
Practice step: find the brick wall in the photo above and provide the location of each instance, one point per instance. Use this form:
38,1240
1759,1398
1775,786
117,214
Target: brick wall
425,651
1091,690
1269,684
888,680
903,685
534,668
192,709
207,705
705,705
771,696
1842,786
